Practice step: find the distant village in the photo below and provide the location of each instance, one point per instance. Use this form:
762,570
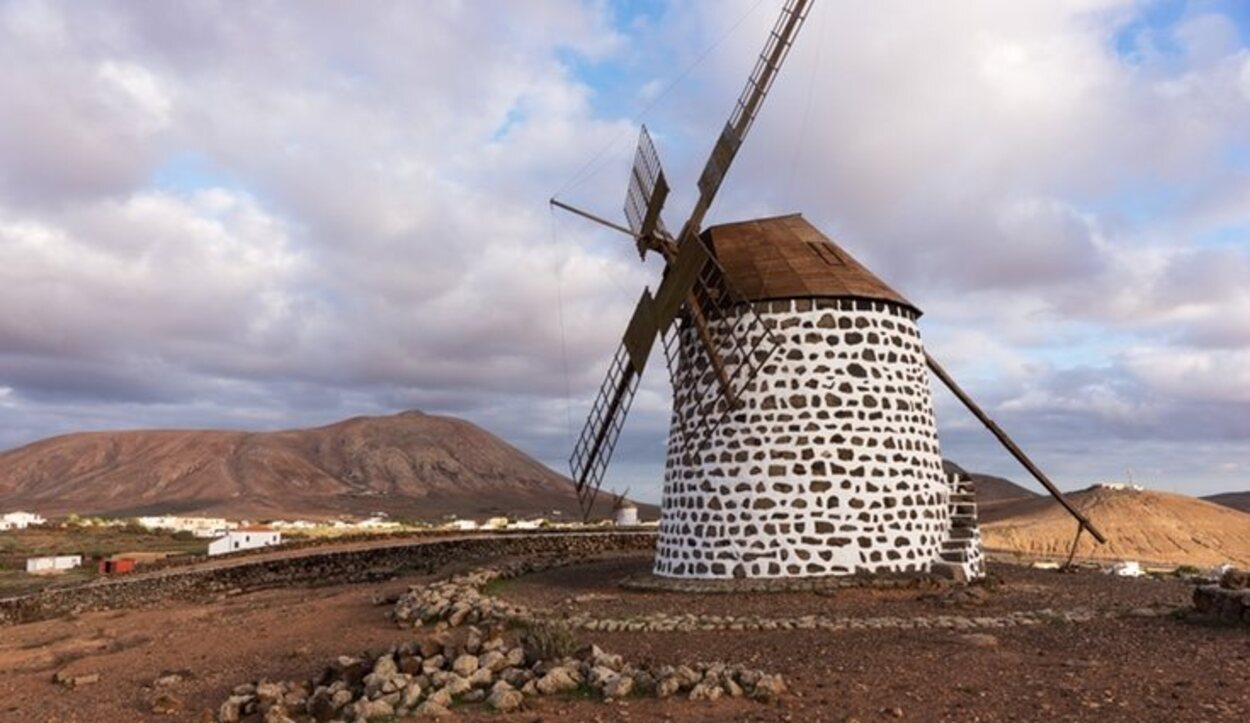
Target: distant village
234,536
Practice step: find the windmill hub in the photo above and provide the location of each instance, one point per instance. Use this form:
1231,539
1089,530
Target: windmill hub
830,463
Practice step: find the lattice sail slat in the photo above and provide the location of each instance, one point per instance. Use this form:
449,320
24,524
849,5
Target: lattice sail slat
648,189
594,448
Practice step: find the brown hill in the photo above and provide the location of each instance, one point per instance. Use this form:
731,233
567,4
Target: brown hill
1235,500
410,465
1147,526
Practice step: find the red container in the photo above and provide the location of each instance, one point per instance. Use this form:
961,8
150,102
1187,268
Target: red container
117,567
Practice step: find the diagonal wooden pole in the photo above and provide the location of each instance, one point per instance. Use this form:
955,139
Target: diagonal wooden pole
1072,553
1011,446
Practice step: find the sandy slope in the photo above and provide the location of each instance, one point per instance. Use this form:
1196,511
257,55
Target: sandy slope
1146,526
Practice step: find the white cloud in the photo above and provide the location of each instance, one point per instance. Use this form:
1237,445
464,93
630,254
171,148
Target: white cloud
1205,376
140,91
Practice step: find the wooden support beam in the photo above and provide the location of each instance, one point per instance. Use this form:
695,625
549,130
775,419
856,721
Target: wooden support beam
1011,446
591,217
709,346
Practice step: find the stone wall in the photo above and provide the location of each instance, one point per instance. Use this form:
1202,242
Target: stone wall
1229,600
831,466
963,557
359,565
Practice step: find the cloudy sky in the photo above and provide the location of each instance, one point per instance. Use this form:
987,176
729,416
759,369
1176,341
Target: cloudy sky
275,214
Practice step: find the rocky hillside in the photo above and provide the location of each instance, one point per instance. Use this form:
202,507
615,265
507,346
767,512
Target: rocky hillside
410,465
1143,525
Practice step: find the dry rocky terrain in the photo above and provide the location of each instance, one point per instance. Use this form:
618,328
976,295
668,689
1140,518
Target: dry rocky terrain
1028,645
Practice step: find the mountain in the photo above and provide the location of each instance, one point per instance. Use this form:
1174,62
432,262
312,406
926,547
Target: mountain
1235,500
991,490
1141,525
410,465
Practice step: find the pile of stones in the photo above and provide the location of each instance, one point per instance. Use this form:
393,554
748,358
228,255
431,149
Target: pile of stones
1229,600
460,601
427,677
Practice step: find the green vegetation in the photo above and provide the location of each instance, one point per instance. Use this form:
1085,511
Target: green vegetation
17,582
17,545
548,641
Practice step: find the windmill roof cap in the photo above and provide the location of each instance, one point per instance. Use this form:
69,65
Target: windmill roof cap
786,257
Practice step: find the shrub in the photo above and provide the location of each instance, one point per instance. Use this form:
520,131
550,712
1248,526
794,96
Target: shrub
548,641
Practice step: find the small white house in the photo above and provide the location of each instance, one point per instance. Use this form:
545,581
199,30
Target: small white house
52,565
19,520
461,525
245,538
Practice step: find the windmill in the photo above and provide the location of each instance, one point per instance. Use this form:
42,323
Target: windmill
624,511
802,440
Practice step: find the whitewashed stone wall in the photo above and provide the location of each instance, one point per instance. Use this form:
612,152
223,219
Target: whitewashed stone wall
831,467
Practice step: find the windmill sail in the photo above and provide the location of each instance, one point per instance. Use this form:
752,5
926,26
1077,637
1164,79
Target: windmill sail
597,442
694,289
648,190
775,51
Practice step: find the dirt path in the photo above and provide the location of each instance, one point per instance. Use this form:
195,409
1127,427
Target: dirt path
273,633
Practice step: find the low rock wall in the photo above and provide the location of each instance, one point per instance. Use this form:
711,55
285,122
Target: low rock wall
343,566
1231,606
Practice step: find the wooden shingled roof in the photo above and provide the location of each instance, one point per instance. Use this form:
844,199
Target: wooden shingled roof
786,257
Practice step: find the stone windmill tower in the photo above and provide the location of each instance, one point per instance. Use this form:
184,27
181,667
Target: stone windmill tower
803,441
829,465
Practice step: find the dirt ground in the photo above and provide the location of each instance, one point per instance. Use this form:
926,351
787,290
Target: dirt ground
1117,668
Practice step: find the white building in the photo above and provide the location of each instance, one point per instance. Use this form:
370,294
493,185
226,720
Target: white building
299,524
52,565
1128,568
20,520
1120,487
245,538
461,525
197,526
